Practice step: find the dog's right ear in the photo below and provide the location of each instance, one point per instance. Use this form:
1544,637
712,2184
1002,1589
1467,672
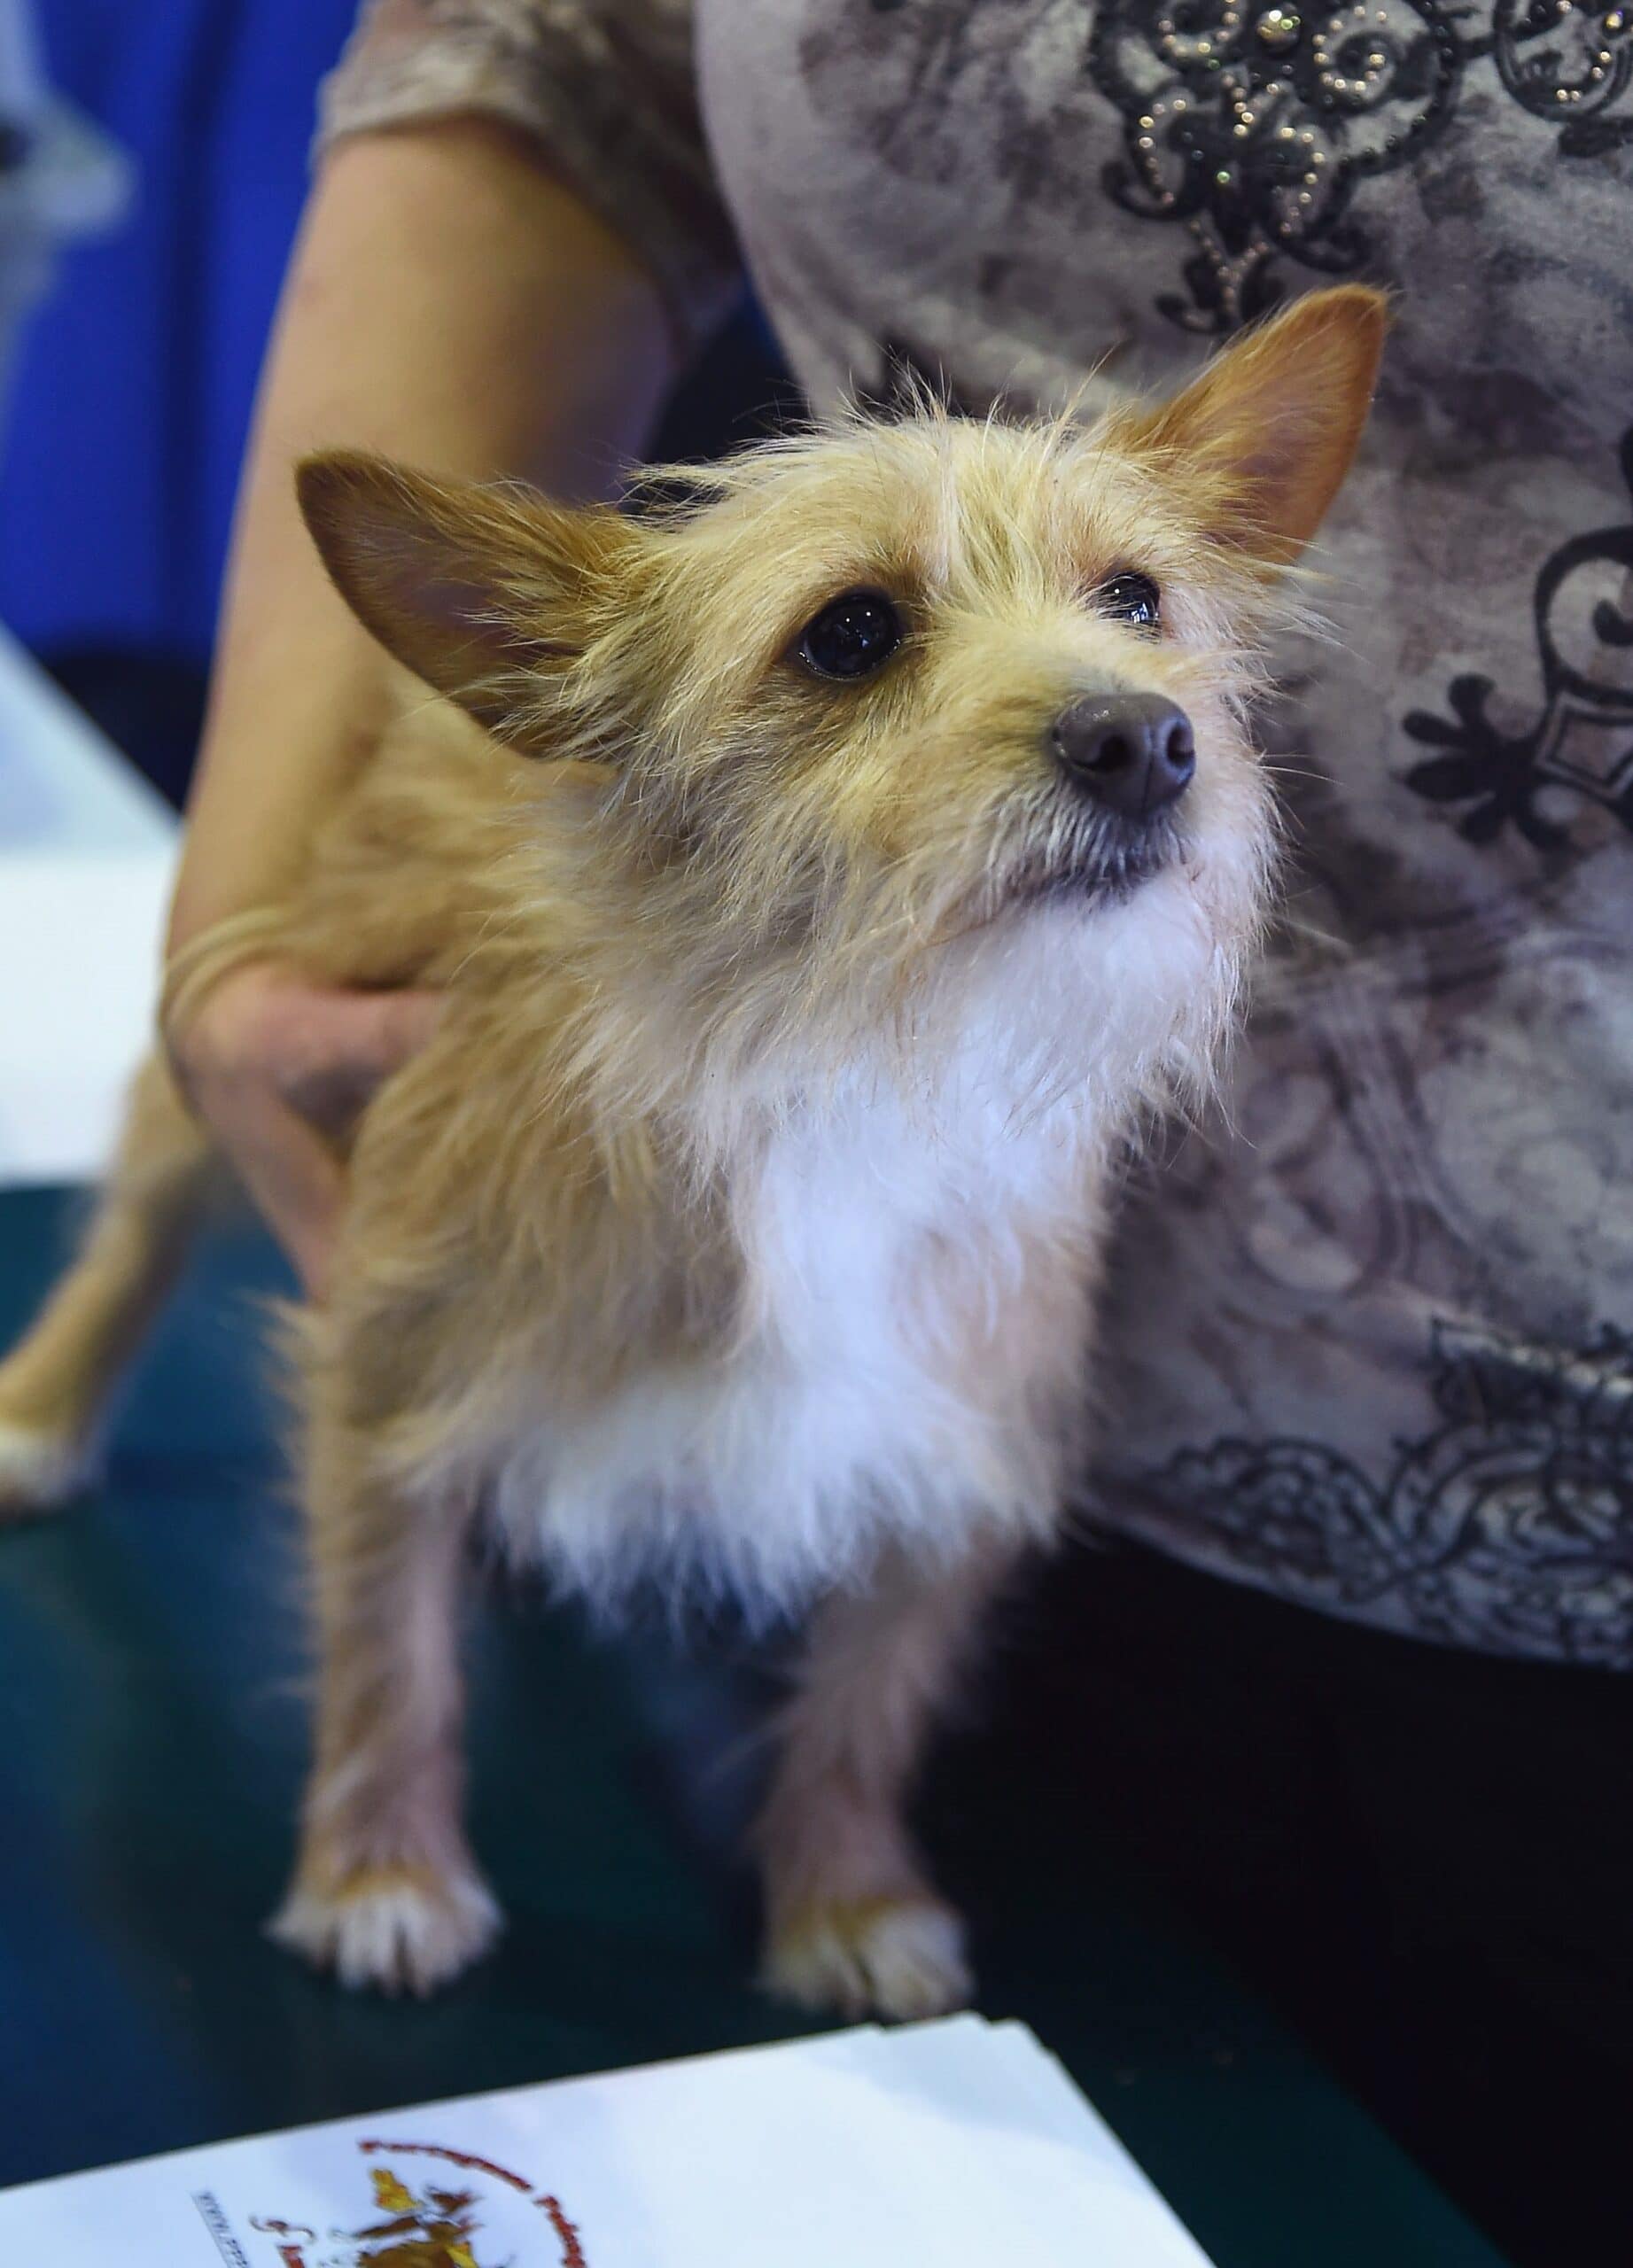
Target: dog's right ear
479,590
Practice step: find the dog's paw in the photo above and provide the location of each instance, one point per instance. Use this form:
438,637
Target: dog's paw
390,1928
40,1470
896,1957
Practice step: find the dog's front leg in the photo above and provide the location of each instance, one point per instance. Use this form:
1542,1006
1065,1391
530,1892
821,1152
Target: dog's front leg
852,1920
386,1892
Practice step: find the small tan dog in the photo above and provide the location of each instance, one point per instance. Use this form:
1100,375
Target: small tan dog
898,845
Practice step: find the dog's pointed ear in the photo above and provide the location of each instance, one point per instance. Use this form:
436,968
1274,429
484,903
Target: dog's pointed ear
1264,437
478,590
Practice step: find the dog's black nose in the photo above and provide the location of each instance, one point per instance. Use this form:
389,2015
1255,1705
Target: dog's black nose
1132,752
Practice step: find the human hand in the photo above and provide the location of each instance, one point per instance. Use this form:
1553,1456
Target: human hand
278,1067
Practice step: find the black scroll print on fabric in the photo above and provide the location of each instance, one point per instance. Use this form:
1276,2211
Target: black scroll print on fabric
1255,124
1508,1526
1578,749
1569,65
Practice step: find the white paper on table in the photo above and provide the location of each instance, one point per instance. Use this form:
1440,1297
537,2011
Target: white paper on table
959,2144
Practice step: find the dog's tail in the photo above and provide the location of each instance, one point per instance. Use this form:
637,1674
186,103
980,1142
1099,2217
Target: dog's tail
55,1386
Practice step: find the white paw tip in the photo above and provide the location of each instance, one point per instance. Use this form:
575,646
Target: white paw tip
394,1930
900,1957
40,1471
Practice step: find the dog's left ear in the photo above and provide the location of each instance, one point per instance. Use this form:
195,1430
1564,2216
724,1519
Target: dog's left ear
1263,439
480,591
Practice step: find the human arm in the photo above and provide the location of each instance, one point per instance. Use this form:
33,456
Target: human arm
452,304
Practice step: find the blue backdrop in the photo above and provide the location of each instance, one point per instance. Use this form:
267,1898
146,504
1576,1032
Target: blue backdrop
135,384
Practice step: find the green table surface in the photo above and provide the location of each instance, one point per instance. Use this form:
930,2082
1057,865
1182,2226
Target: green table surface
152,1739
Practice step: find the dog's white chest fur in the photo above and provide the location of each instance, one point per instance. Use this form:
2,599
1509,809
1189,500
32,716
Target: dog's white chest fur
883,1383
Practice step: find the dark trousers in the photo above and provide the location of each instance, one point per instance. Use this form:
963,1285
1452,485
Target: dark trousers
1423,1858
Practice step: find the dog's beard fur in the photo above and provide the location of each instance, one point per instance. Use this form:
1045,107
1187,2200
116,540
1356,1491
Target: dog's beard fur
1097,982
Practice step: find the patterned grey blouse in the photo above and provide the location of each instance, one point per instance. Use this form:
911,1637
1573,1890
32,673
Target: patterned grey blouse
1373,1346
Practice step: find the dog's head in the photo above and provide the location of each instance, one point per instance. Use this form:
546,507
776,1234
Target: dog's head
901,708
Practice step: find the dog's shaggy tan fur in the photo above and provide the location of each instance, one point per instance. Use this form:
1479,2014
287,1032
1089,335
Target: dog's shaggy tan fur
738,1230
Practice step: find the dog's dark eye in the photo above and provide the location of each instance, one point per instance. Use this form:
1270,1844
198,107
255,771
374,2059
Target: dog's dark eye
853,635
1131,598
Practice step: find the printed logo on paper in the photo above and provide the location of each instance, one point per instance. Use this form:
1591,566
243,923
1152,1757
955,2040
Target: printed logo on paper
419,2206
